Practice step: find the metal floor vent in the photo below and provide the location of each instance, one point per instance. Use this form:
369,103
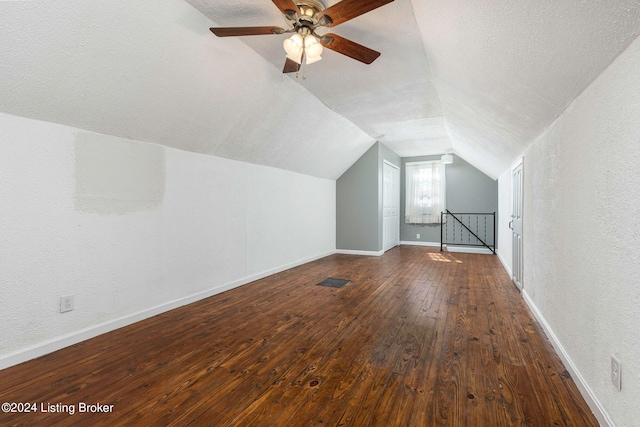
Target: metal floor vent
334,283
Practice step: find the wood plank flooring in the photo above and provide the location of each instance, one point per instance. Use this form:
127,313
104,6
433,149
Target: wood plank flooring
418,338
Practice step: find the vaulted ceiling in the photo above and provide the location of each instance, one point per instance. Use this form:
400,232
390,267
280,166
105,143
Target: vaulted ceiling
481,79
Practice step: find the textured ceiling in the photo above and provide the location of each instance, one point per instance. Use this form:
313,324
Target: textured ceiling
152,71
482,79
506,69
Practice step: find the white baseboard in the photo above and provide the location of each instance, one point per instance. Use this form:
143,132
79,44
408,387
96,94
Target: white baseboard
596,407
465,249
468,249
354,252
504,264
57,343
415,243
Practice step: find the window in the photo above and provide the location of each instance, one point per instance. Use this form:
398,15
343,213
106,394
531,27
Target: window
425,192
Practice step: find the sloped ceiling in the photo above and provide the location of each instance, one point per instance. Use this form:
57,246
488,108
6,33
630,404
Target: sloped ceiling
481,79
152,71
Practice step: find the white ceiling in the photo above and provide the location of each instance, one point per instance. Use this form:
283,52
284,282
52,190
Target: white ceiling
482,79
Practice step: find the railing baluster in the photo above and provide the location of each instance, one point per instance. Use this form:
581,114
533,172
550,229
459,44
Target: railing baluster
446,216
485,228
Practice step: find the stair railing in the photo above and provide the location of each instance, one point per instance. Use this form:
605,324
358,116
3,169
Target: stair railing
473,229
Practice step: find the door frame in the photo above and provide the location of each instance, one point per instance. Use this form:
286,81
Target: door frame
397,199
516,224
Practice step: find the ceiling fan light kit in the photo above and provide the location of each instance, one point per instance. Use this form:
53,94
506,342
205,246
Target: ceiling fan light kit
303,17
299,48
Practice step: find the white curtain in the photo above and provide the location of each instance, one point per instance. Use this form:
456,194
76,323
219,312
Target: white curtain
425,192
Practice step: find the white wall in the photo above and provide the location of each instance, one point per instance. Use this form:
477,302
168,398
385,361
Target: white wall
133,228
582,236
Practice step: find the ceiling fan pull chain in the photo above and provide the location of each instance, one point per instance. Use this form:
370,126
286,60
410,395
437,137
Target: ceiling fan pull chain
303,62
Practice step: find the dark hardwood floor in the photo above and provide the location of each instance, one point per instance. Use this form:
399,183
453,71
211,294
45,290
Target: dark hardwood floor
418,338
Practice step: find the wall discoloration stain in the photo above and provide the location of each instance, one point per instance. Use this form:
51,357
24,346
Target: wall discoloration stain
115,176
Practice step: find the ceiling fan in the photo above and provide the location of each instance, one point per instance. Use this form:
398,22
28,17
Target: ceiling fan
304,17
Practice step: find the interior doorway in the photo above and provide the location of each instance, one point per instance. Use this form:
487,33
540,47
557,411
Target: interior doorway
516,226
390,206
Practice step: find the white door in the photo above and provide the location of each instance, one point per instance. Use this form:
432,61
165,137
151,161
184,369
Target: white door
516,226
390,206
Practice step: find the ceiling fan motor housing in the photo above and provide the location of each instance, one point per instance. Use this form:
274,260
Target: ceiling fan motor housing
308,13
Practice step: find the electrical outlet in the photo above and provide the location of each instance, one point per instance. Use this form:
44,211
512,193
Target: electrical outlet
616,373
66,304
417,236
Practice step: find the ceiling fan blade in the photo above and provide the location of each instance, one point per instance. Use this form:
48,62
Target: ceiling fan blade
245,31
349,48
291,66
346,10
287,5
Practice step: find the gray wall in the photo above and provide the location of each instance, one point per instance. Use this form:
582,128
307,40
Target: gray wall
357,204
468,190
359,201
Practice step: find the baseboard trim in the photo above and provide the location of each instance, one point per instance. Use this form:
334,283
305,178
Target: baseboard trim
589,396
57,343
504,264
355,252
468,250
464,249
414,243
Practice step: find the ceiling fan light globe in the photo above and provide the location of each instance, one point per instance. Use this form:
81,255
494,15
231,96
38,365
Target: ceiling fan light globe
312,59
312,47
293,46
297,39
